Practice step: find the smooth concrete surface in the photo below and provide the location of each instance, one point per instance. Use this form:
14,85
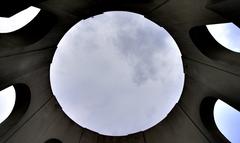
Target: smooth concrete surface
211,72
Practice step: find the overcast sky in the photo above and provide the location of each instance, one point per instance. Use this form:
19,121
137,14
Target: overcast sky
226,34
117,73
7,101
18,20
113,66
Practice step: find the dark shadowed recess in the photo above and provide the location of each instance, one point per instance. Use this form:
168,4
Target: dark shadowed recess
10,7
206,43
206,112
228,9
23,97
207,117
29,34
53,141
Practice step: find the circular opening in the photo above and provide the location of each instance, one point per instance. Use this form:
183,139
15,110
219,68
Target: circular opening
227,120
117,73
18,20
227,34
7,102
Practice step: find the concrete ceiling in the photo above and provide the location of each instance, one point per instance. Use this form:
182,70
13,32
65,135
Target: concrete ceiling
212,71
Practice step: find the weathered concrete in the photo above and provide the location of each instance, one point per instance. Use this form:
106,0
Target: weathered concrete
211,71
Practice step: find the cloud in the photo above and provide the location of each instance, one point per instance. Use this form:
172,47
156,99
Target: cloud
117,73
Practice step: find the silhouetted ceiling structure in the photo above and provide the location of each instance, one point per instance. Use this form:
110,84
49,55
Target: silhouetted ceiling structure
212,71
